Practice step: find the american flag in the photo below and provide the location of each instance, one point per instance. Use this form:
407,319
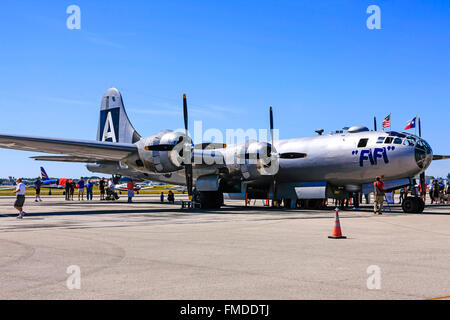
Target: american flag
387,122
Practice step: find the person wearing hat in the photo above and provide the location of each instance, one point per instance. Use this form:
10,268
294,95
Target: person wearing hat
379,195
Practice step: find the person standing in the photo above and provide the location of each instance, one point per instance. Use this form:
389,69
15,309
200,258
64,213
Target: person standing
130,187
67,189
402,194
430,191
81,189
101,186
89,188
20,197
379,196
171,197
436,194
72,189
162,197
447,192
37,186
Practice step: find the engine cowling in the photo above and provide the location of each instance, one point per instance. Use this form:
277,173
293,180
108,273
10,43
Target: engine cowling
163,152
254,160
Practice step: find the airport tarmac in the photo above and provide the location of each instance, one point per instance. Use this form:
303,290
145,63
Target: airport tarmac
148,250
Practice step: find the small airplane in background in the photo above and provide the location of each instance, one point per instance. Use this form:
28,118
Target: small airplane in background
47,182
7,188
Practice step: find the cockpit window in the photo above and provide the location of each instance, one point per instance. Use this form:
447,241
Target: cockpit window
397,141
422,145
408,142
388,140
362,143
380,140
397,134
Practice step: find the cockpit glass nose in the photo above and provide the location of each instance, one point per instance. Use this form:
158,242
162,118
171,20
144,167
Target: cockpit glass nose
422,152
423,145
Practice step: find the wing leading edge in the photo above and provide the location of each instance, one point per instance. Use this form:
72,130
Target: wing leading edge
81,149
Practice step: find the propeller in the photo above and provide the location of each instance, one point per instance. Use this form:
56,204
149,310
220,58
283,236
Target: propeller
422,175
160,147
187,152
274,182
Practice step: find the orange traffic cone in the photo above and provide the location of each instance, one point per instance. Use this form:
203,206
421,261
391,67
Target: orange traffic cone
337,234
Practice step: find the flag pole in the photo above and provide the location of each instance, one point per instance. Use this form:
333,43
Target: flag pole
415,127
390,120
420,128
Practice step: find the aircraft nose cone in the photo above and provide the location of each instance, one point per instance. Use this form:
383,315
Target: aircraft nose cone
423,154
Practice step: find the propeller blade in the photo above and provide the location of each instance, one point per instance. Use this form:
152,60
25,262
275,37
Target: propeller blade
160,147
187,153
422,175
271,124
185,113
439,157
274,183
210,145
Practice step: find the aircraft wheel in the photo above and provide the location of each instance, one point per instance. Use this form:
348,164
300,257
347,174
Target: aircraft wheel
410,205
420,205
211,199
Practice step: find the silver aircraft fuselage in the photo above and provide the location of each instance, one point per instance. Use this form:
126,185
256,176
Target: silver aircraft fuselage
340,159
337,158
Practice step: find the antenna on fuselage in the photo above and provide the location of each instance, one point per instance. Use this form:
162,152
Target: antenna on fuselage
319,132
374,123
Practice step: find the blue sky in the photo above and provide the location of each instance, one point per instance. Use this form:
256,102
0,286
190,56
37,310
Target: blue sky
315,62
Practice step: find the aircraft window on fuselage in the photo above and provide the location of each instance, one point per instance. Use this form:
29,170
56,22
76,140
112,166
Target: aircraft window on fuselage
388,140
380,140
397,141
362,143
408,142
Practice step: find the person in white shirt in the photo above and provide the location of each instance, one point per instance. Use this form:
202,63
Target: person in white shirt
111,185
20,197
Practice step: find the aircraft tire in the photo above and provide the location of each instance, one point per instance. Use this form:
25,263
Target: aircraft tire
211,199
420,205
410,205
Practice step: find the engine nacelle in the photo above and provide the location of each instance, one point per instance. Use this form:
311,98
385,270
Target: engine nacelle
253,160
163,152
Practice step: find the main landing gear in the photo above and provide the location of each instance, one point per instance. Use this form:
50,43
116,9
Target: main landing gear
210,199
413,205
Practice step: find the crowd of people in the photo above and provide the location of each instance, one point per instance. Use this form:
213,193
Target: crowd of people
70,187
439,192
107,190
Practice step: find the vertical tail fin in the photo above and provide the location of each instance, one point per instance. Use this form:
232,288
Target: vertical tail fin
114,125
44,174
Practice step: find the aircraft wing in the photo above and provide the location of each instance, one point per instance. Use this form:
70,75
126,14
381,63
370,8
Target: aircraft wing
93,150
